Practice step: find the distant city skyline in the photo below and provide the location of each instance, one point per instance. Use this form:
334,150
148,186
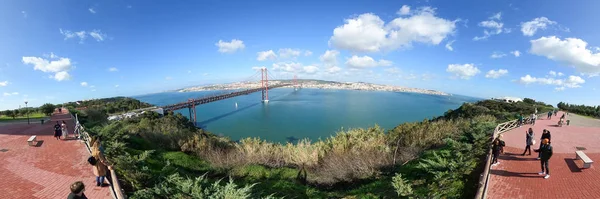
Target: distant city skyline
73,50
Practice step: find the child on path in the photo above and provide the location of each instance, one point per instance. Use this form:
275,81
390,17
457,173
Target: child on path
63,128
77,190
545,135
57,131
545,154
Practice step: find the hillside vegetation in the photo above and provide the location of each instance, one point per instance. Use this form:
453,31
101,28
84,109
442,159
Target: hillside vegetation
167,157
592,111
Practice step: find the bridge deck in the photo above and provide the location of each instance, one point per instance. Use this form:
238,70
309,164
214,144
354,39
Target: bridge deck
206,100
517,176
46,171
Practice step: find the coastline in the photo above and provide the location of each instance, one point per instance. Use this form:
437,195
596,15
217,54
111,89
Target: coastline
316,84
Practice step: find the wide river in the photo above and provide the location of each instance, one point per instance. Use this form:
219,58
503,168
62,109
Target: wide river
308,113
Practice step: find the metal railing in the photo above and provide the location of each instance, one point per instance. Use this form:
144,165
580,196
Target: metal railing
484,179
115,186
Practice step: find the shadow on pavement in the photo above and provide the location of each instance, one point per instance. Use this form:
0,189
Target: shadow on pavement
39,143
572,165
518,157
515,174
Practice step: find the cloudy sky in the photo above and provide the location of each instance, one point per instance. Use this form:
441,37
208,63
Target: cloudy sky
57,51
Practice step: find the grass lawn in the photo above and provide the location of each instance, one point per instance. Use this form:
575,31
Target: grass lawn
31,116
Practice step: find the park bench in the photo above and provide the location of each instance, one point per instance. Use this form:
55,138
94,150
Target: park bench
31,140
587,162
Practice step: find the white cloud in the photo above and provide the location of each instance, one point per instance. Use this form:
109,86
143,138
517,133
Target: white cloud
293,67
308,53
62,76
310,69
570,51
463,71
495,74
84,84
189,71
492,26
531,27
449,45
405,10
9,94
59,67
516,53
92,86
561,84
392,70
554,73
24,14
117,86
92,10
4,83
368,33
289,53
82,35
497,55
113,69
330,61
98,35
230,47
168,78
366,62
264,55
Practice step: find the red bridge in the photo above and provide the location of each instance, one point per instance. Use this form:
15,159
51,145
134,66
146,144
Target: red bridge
192,103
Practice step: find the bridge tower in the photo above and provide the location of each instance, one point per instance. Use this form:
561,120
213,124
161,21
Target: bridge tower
265,84
192,110
296,87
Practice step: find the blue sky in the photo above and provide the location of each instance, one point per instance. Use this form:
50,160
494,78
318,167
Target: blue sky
58,51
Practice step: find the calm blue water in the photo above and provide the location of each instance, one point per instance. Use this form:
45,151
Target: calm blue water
311,113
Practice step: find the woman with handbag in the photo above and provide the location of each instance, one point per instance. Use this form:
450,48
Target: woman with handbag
528,141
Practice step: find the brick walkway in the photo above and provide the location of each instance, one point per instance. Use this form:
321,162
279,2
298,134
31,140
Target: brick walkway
45,171
516,176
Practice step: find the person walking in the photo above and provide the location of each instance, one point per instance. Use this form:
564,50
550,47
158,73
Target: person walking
77,189
528,141
549,115
545,135
545,153
520,119
57,131
496,148
65,131
533,118
100,169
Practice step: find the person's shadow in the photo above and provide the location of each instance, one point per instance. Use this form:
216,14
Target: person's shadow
515,174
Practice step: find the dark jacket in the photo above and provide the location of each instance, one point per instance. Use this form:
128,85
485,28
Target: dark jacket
546,151
546,135
74,196
496,148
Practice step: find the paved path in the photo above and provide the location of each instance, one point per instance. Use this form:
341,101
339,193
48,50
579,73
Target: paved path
45,171
578,120
516,176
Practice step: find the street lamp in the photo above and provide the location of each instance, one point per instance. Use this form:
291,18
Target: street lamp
27,112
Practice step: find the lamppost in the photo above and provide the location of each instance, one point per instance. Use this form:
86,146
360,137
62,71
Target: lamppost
27,112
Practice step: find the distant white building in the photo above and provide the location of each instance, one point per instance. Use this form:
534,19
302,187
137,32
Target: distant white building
509,99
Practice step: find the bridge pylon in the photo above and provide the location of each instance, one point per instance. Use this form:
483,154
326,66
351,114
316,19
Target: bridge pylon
265,84
192,111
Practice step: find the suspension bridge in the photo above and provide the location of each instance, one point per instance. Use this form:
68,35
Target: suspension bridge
264,88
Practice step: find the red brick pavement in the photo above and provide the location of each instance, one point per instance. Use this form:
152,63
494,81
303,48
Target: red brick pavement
45,171
516,176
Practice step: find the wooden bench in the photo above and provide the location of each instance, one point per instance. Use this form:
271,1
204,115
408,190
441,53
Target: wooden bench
31,140
587,162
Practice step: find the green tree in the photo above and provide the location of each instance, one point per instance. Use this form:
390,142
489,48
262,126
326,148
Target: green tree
47,108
